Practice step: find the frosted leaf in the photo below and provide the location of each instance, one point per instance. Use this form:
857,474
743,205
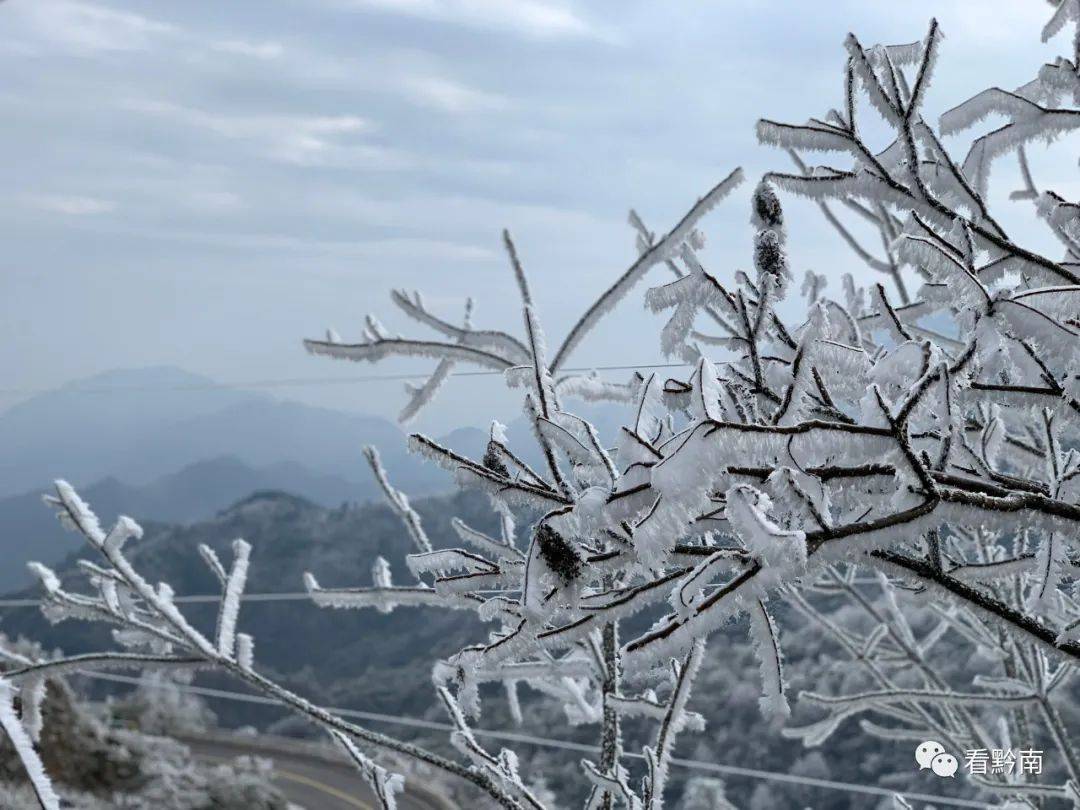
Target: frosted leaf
706,401
781,550
767,646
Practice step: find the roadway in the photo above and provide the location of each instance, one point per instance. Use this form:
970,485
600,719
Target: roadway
311,780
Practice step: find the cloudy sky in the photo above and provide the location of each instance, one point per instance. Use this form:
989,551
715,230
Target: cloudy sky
202,184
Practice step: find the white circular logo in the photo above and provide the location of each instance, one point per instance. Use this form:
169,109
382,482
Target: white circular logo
944,765
926,752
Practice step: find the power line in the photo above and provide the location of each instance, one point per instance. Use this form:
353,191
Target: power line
198,598
294,596
547,742
303,381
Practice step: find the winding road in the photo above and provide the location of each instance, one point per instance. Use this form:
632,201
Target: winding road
311,780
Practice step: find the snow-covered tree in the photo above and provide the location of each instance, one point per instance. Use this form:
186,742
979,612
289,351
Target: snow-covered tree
920,435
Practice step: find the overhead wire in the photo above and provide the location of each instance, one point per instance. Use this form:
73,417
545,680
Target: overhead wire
292,596
286,382
548,742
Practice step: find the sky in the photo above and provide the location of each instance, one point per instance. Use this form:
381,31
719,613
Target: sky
203,184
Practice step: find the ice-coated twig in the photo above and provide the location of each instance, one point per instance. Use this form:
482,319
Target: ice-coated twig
24,748
148,617
398,501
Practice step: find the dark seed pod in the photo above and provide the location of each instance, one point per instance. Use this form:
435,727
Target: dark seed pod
493,462
561,557
767,210
769,254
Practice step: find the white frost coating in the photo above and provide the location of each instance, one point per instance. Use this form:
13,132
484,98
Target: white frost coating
706,401
385,600
381,348
441,562
993,101
380,573
781,552
647,705
424,394
591,388
49,581
75,514
773,701
691,586
123,530
809,137
1067,11
484,543
675,720
31,696
24,749
662,250
398,501
541,379
383,784
210,557
230,602
245,651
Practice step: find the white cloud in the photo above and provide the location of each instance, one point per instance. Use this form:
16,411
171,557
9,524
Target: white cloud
72,205
253,125
538,18
215,201
256,50
306,140
383,249
448,95
80,26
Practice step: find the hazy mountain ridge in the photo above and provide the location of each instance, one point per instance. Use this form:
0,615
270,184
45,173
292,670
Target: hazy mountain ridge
290,535
166,445
30,531
140,424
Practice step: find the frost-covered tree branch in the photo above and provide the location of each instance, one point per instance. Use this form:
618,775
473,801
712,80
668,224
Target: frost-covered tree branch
923,434
152,631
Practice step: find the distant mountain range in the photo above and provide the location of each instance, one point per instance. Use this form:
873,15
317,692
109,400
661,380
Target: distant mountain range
138,425
29,530
290,535
163,444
